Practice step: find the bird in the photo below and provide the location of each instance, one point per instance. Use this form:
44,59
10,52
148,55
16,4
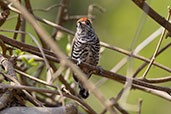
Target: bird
85,48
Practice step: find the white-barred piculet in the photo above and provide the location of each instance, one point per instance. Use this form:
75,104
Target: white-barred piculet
85,48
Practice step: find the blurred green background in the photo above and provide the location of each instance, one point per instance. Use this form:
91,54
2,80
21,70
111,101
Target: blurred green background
116,26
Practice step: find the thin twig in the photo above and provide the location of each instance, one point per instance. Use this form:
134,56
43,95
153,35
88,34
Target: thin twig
91,8
61,28
6,97
158,80
60,19
12,17
157,48
139,106
28,6
37,43
115,100
29,88
136,51
34,78
48,8
134,55
4,48
161,94
158,53
153,14
23,28
17,26
29,96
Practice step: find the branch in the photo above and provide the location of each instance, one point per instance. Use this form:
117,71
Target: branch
158,53
35,50
51,56
5,99
153,14
158,80
63,12
18,25
28,6
134,55
48,8
161,94
139,106
157,48
42,90
120,78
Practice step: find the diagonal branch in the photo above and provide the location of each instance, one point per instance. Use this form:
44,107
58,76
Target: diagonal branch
157,48
35,50
134,55
143,65
104,73
153,14
158,80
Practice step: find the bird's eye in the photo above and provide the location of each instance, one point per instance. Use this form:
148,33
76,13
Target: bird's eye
88,22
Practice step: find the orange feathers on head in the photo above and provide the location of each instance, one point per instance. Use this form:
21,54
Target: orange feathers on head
82,19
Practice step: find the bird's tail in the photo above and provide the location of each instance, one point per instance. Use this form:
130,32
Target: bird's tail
83,92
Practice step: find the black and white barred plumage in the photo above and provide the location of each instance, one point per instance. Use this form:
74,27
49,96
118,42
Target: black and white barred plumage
85,48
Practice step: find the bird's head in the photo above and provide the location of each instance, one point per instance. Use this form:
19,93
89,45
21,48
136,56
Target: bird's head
83,25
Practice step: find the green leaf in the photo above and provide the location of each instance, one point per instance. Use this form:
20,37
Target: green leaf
24,60
31,60
21,53
34,64
68,47
18,52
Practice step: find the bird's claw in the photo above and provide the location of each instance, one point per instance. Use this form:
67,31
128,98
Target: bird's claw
100,69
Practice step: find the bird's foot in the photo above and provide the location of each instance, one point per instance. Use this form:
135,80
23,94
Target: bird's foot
100,69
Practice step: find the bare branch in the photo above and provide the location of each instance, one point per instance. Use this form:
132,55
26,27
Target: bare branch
51,56
8,94
153,14
134,55
158,80
48,8
157,48
29,88
158,53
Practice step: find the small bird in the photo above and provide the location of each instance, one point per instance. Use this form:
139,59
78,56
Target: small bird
85,48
